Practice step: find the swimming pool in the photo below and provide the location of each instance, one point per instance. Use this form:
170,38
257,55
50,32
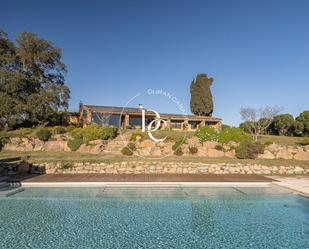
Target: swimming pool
154,217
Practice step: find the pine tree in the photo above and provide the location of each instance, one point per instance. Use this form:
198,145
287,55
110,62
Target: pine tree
201,98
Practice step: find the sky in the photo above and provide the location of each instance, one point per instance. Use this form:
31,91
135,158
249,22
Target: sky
256,51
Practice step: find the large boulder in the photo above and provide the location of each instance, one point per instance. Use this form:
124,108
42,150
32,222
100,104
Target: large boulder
38,145
306,148
19,144
267,155
273,148
84,149
230,154
156,151
55,146
284,154
144,152
302,155
210,144
215,153
193,142
146,144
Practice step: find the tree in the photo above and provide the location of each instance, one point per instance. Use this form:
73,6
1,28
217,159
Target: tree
301,125
259,120
201,98
282,124
32,85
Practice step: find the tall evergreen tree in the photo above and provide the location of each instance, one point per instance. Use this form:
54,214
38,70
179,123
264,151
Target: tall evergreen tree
201,98
32,85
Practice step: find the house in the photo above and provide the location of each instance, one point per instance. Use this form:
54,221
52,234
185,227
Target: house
131,118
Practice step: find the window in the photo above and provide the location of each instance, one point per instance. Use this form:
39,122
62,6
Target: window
175,124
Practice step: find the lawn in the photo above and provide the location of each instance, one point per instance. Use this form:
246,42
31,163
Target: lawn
281,140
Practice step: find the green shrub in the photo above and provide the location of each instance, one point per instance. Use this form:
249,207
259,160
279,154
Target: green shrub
233,134
249,149
207,133
179,143
94,132
178,151
219,147
135,135
266,143
131,146
126,151
75,143
23,131
193,150
43,134
304,142
59,130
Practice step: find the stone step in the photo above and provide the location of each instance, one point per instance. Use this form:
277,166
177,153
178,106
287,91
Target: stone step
9,190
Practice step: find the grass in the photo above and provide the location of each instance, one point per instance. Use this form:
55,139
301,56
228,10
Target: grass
281,140
64,157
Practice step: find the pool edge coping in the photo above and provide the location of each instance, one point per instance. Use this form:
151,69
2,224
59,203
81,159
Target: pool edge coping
141,184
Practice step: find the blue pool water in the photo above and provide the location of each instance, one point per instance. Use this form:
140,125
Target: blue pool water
154,218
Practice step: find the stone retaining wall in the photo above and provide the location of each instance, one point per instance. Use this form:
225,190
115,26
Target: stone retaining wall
141,167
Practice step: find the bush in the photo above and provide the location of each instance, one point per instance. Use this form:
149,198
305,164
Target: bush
207,133
266,143
131,146
75,143
59,130
4,138
178,151
43,134
304,142
249,149
179,143
193,150
233,134
126,151
23,131
219,147
137,134
94,132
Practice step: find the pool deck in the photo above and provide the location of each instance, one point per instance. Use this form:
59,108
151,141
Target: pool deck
143,179
295,183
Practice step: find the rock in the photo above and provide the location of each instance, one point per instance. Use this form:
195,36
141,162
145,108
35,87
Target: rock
84,149
273,148
201,152
193,142
147,143
232,144
215,153
38,145
144,152
267,155
298,170
28,144
294,149
230,153
156,151
55,146
306,148
210,144
301,155
284,154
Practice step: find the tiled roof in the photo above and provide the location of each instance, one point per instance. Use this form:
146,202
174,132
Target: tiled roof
118,110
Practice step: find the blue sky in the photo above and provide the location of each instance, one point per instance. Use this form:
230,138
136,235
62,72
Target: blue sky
256,51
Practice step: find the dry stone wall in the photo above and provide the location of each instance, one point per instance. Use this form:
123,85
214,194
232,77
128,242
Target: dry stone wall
142,167
149,148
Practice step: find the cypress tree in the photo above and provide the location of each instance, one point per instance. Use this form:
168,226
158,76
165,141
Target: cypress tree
201,98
